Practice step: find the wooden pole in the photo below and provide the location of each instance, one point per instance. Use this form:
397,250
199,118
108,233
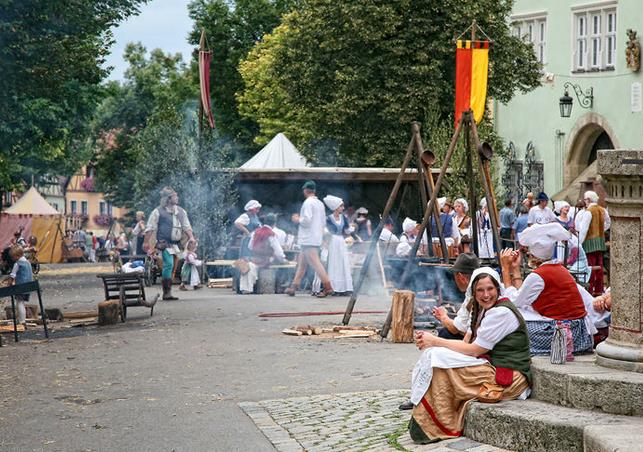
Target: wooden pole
376,234
201,49
473,199
434,195
486,183
436,210
407,269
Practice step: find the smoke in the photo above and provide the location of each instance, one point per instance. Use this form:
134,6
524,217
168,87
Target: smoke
175,154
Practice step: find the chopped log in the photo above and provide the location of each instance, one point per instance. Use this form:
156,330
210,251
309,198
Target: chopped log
354,334
108,312
82,314
348,327
369,332
290,332
402,316
317,330
54,314
9,328
305,329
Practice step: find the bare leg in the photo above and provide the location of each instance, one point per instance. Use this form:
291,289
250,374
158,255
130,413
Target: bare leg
313,259
302,265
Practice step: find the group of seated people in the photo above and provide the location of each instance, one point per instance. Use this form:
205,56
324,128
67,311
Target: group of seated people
454,224
484,352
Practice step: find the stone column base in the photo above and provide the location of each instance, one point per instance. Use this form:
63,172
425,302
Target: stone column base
619,356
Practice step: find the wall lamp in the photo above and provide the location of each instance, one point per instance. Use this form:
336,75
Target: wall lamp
565,103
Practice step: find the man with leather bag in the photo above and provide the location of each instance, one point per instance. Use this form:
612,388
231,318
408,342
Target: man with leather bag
167,224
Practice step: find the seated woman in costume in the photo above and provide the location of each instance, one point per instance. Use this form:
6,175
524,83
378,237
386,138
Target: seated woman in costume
549,294
409,229
491,362
264,250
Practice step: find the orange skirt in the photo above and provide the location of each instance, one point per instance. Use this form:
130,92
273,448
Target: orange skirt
440,415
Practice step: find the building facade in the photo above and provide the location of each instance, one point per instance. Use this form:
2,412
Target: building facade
87,208
589,52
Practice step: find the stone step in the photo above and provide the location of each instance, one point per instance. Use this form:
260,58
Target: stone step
584,385
535,426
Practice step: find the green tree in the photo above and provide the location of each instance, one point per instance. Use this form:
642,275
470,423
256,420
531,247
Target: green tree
265,101
171,153
50,60
357,73
152,85
232,28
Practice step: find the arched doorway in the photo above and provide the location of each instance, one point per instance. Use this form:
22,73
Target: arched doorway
591,133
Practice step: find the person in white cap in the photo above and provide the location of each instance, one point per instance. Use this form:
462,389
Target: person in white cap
339,266
312,221
463,223
449,230
485,234
561,208
407,238
246,223
549,294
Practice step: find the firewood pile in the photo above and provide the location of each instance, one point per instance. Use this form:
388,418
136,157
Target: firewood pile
334,332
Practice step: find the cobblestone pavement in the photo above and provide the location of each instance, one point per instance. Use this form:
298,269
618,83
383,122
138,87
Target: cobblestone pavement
358,421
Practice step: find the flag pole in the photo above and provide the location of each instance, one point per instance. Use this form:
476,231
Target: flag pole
201,49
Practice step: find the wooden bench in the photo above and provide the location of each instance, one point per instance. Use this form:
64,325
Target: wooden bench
129,289
23,289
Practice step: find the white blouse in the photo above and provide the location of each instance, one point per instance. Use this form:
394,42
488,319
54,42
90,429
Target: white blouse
498,323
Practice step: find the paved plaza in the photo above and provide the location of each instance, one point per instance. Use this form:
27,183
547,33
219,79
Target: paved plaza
203,374
358,421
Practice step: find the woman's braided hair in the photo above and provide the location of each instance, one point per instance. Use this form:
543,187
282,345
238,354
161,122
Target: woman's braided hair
475,311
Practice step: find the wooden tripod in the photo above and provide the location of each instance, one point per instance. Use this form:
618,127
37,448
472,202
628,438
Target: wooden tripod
427,191
467,124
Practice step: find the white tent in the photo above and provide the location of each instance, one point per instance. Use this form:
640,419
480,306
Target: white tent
280,153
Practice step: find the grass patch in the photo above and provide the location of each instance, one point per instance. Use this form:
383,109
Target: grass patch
393,437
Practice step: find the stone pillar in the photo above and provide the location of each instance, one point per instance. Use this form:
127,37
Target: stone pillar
623,172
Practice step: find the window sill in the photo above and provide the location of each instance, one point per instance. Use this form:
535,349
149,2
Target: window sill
594,70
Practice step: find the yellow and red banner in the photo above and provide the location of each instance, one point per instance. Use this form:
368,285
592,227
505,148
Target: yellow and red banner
471,69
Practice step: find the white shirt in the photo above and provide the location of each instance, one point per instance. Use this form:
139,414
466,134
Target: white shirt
280,234
498,323
243,219
277,250
540,216
388,237
583,221
312,220
462,318
531,288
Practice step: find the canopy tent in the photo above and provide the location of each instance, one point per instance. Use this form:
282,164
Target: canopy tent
38,218
279,153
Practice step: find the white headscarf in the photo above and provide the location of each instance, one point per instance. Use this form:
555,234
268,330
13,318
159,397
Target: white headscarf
483,203
464,203
408,225
559,205
252,204
541,239
333,202
442,202
487,271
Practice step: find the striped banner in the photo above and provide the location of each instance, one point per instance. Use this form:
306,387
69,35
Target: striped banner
471,69
204,78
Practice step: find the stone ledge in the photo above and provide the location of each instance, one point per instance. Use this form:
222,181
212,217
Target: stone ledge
584,385
533,426
612,438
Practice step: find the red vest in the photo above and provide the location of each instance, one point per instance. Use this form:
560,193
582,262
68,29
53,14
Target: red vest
560,299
